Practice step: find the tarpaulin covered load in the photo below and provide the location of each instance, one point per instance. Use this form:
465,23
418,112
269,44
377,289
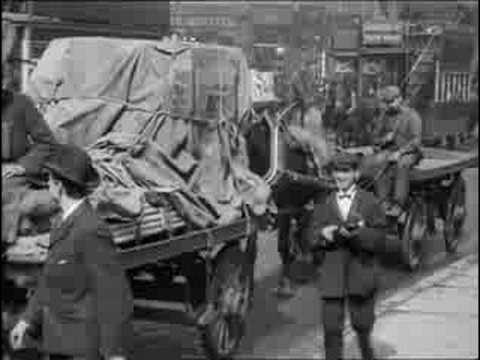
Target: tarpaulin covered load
91,86
154,116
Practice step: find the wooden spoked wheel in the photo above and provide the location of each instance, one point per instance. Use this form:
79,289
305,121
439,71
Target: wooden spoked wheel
454,215
231,289
414,233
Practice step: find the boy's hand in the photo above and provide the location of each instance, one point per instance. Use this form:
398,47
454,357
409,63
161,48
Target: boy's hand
328,232
17,334
344,232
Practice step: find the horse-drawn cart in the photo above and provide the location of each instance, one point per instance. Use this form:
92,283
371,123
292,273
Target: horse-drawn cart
437,191
437,187
207,275
159,120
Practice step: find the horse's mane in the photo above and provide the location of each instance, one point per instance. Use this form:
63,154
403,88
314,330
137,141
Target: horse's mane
313,136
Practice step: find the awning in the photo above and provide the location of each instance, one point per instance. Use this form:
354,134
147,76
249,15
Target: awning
384,51
343,53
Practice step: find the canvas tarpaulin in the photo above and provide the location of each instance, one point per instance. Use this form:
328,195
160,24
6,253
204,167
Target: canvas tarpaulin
90,86
153,115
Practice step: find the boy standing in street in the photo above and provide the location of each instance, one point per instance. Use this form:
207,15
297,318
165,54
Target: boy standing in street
350,227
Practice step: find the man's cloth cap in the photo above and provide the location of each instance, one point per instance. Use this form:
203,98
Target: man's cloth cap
390,93
73,164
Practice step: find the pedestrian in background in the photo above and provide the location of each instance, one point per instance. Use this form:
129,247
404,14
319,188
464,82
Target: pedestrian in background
350,228
83,301
26,140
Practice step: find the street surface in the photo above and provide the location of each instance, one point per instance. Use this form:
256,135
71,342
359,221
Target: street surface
292,328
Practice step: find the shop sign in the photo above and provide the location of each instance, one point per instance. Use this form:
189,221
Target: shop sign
375,34
345,66
272,16
263,85
372,67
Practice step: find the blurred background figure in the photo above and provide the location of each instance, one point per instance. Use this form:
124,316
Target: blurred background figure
26,141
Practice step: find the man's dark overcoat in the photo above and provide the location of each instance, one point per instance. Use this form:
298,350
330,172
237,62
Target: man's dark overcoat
83,299
350,269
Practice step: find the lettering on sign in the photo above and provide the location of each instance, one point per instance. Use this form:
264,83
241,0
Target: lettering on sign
382,34
382,39
203,21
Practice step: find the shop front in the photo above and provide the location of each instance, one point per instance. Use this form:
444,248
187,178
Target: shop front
383,57
344,76
379,67
380,59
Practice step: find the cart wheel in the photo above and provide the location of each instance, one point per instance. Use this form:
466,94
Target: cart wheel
454,216
414,234
231,291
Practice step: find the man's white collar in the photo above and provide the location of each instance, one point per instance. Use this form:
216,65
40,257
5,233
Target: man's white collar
351,191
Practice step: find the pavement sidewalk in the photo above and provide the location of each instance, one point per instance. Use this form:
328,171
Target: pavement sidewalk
436,318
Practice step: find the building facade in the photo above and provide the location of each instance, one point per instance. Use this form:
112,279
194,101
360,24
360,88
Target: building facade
39,22
207,21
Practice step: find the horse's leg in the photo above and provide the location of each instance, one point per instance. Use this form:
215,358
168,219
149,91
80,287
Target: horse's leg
284,249
283,242
302,218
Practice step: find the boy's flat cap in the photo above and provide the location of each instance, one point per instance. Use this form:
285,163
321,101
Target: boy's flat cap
344,161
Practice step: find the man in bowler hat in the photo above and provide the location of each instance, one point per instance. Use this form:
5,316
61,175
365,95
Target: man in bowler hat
349,226
83,300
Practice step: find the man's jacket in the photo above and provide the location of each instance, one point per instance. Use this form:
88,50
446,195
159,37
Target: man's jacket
350,268
83,299
25,134
406,126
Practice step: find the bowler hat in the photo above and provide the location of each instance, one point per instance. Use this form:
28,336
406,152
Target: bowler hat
390,93
73,164
344,161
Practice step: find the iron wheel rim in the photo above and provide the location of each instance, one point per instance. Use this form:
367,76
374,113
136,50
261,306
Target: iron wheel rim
416,229
228,328
453,224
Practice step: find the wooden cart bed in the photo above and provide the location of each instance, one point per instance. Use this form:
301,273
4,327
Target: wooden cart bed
436,162
440,162
32,250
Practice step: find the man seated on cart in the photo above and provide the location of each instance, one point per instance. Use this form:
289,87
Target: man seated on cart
398,133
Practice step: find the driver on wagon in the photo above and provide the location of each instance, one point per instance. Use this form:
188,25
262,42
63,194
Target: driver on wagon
398,132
